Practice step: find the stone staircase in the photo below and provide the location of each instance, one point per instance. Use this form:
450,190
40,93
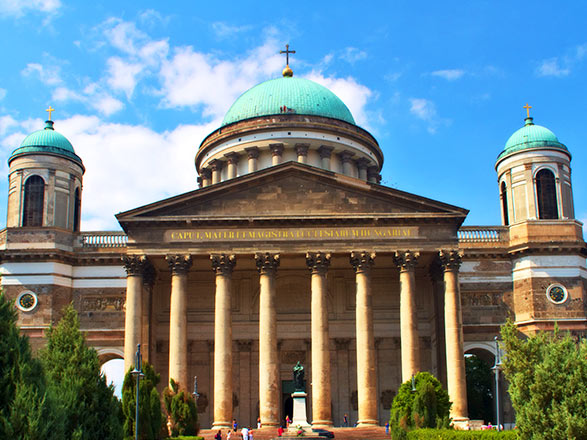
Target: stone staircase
371,433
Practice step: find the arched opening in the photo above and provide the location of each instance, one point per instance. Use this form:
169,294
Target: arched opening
546,195
114,372
34,200
504,204
77,210
480,385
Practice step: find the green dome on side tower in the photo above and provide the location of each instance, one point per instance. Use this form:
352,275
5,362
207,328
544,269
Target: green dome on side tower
46,141
530,137
288,95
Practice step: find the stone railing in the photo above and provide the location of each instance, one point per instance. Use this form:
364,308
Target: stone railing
103,239
483,234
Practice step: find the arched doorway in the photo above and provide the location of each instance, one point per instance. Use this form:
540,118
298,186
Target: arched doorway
112,366
479,361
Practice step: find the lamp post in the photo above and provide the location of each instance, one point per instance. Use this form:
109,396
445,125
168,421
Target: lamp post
413,390
138,373
496,368
195,393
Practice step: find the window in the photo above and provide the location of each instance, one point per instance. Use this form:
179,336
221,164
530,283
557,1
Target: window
34,199
546,195
504,204
76,210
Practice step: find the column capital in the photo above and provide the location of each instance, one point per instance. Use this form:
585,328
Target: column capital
216,164
362,163
232,158
450,260
302,149
342,343
266,262
346,156
276,149
325,151
406,261
252,152
135,264
318,262
223,264
244,344
362,261
179,264
206,173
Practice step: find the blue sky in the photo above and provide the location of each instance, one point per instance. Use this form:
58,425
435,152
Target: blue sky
137,85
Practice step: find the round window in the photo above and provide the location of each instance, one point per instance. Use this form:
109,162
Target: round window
557,293
27,301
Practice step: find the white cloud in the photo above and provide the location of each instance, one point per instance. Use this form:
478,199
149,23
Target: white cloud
449,74
130,165
6,122
425,110
107,105
354,95
47,75
193,78
123,35
224,30
352,55
552,67
17,8
123,75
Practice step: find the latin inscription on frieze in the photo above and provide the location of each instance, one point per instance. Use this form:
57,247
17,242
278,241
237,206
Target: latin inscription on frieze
291,234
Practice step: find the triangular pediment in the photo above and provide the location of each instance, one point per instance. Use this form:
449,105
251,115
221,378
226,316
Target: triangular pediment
292,190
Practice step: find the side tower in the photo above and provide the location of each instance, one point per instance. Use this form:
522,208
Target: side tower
545,241
45,182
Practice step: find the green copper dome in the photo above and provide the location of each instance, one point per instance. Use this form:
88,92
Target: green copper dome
530,137
46,141
288,95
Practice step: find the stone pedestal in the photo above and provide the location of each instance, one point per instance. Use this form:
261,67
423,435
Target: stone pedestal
299,411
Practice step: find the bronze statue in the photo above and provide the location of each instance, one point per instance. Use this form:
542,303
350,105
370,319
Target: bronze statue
298,375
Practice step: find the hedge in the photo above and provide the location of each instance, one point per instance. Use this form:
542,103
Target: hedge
453,434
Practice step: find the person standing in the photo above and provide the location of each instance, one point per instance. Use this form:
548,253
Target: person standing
234,424
218,435
345,421
245,433
258,422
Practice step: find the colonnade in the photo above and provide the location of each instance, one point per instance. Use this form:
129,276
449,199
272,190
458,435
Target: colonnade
269,380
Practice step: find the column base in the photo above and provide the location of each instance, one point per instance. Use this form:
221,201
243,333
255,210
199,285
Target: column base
368,422
322,424
461,423
222,425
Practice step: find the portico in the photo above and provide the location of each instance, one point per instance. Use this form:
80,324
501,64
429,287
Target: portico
252,295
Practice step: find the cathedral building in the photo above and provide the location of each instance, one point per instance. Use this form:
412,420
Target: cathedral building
291,250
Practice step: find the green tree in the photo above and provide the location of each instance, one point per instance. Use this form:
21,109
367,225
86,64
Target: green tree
426,407
151,421
89,407
547,374
27,411
181,410
479,394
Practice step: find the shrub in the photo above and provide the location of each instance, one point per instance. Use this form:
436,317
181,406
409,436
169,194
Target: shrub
426,407
181,410
452,434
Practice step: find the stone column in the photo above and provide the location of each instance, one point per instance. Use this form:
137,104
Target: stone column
232,162
277,153
373,174
325,153
269,397
345,158
410,347
222,265
135,267
178,319
302,152
362,164
453,323
362,262
206,175
253,157
318,263
216,167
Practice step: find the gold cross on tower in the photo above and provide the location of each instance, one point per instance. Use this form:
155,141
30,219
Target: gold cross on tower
50,109
527,107
287,52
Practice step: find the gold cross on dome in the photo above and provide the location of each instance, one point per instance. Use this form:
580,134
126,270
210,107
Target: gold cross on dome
50,109
287,52
527,107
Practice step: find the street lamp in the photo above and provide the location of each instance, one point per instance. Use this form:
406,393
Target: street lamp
496,368
413,384
137,372
195,393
